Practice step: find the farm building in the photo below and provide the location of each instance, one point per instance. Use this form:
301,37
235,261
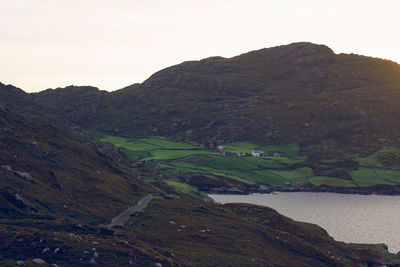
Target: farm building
258,153
220,148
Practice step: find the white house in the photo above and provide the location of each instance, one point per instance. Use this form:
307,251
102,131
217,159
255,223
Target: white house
258,153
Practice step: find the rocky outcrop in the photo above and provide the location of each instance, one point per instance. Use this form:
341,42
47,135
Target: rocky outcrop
39,261
24,175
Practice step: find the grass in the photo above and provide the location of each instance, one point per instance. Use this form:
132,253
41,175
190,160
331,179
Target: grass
389,175
369,177
386,157
245,147
297,176
330,181
182,187
145,144
175,154
291,168
289,150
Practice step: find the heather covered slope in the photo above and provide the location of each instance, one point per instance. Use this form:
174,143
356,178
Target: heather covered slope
297,93
55,191
47,173
339,109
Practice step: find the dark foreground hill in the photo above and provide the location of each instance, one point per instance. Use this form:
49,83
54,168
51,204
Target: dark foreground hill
56,195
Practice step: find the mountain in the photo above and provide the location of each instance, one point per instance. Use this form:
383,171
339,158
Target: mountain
340,109
298,93
57,195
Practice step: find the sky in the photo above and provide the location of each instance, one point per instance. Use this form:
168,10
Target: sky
111,44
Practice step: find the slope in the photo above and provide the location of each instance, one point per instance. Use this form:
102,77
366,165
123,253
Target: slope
55,191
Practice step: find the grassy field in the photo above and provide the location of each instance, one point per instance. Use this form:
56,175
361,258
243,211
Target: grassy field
176,159
373,176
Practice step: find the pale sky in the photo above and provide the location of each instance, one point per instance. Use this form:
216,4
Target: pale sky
114,43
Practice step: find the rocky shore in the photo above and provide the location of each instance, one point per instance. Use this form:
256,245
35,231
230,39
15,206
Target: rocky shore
265,189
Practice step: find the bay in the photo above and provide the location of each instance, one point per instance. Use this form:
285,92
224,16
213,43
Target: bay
351,218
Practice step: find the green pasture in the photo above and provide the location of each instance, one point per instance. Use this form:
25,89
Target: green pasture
373,176
381,158
330,181
291,168
182,187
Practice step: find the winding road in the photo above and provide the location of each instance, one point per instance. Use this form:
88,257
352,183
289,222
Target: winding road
122,217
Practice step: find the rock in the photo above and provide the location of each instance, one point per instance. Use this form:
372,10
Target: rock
6,168
95,255
45,250
56,250
95,242
55,265
158,264
24,175
33,143
39,261
92,261
21,203
20,263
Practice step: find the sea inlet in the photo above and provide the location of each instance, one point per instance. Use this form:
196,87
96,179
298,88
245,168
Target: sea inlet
346,217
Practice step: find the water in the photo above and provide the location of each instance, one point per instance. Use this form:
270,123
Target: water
349,218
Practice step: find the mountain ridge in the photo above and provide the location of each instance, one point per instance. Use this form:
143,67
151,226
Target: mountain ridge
299,93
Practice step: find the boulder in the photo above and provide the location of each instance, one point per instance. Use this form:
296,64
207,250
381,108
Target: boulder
6,168
39,261
24,175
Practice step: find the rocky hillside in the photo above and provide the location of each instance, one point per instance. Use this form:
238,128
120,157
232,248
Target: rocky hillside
56,195
296,93
44,172
302,93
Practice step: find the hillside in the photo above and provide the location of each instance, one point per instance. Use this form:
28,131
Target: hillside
301,93
57,176
56,195
339,109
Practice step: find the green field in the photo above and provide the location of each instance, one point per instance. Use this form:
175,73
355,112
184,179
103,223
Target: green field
175,159
373,176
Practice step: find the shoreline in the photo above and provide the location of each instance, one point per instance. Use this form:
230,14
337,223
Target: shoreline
265,189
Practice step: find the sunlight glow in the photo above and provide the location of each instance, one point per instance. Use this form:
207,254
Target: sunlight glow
112,44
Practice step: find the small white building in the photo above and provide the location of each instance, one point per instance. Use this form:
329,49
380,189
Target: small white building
220,148
258,153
